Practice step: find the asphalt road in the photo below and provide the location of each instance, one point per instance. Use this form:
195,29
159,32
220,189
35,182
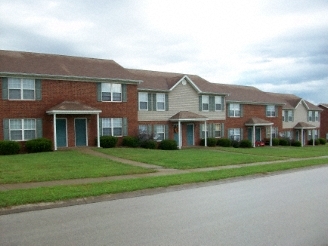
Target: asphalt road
285,209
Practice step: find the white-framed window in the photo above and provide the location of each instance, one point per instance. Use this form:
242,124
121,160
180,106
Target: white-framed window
21,89
234,134
316,116
160,101
234,110
270,111
315,134
205,103
111,92
274,132
143,100
111,127
202,126
22,129
290,115
143,129
159,132
310,116
217,130
218,103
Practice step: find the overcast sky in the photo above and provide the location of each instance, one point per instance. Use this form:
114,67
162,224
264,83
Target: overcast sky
274,45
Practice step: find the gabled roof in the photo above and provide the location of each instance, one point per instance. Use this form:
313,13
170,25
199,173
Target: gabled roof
257,122
166,81
324,105
187,116
292,101
304,125
72,107
16,63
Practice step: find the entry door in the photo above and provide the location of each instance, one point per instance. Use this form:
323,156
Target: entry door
190,134
61,132
176,133
80,132
257,134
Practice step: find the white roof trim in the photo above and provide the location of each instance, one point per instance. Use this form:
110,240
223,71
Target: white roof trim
74,111
185,77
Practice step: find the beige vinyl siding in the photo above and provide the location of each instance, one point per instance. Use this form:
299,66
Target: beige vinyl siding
181,98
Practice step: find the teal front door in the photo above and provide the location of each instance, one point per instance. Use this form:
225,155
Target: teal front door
61,133
80,132
257,134
190,134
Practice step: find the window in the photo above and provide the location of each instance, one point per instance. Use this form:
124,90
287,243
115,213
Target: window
270,111
287,115
202,126
22,129
21,89
217,130
159,132
160,101
316,116
143,101
111,92
111,127
205,103
234,134
310,118
290,115
143,129
234,110
218,103
274,132
315,134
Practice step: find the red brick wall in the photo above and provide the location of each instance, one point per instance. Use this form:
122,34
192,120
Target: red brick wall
55,92
323,122
250,111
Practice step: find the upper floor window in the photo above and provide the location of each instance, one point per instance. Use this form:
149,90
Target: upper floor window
234,110
111,92
218,103
160,101
111,127
21,89
205,103
316,115
287,115
22,129
143,101
270,111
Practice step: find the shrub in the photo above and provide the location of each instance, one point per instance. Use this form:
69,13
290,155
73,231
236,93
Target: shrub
38,145
245,143
284,142
224,142
296,143
211,142
235,144
9,147
275,141
168,144
129,141
322,141
316,142
148,144
108,141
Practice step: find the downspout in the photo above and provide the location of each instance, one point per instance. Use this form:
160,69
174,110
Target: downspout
179,134
98,132
55,132
270,135
253,136
205,134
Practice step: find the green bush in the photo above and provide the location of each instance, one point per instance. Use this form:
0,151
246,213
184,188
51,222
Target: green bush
296,143
235,144
284,142
245,144
9,147
275,141
130,141
211,142
168,144
322,141
316,142
38,145
224,142
108,141
148,144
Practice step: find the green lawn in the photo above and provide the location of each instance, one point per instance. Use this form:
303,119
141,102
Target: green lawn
187,158
56,193
60,165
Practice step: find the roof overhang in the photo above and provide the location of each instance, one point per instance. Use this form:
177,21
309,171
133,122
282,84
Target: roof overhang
258,122
70,78
67,107
186,116
304,125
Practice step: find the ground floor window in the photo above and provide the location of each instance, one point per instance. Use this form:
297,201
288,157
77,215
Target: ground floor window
287,134
203,132
159,132
217,130
315,136
22,129
274,133
111,127
235,134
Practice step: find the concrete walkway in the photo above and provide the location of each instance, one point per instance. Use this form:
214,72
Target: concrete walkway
158,171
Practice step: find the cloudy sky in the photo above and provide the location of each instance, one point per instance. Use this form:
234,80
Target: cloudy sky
274,45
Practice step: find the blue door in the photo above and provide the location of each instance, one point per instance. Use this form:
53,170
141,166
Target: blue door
190,134
80,132
61,133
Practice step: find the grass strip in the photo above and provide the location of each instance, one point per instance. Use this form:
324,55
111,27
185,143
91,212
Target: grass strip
59,193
